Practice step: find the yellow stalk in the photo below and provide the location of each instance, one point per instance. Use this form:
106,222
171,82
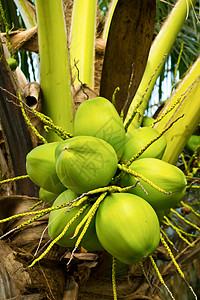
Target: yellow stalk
157,56
82,41
109,19
188,104
54,65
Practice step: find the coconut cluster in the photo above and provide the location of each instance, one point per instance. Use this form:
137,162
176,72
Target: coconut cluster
100,154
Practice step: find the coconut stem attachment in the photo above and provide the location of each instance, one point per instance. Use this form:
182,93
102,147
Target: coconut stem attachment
59,236
29,122
135,175
151,142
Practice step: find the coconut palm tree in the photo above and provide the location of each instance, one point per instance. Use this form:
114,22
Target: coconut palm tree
88,275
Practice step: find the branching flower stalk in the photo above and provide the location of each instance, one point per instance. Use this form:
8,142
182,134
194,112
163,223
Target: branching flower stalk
185,220
29,122
36,204
160,276
136,113
89,215
176,265
136,175
29,213
114,278
177,230
24,224
167,238
151,142
192,209
180,229
46,120
59,236
13,179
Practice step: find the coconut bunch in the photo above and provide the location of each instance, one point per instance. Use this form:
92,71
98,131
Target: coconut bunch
103,180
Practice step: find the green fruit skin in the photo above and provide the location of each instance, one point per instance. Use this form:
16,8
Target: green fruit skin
58,219
127,227
41,168
98,117
193,143
84,163
47,197
12,62
136,139
164,175
147,121
162,213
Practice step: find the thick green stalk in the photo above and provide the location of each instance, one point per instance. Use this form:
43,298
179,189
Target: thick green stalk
188,104
157,56
27,12
82,41
54,65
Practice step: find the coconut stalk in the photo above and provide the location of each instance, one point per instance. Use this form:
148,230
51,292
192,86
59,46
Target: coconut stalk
54,65
157,56
188,105
82,41
27,12
108,19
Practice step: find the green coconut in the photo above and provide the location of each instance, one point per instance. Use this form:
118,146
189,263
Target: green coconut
137,139
58,219
98,117
193,143
41,168
164,175
12,62
47,196
127,227
84,163
147,121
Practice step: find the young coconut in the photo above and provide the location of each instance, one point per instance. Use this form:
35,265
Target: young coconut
47,196
58,219
127,227
147,121
193,143
98,117
166,176
84,163
137,139
41,168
